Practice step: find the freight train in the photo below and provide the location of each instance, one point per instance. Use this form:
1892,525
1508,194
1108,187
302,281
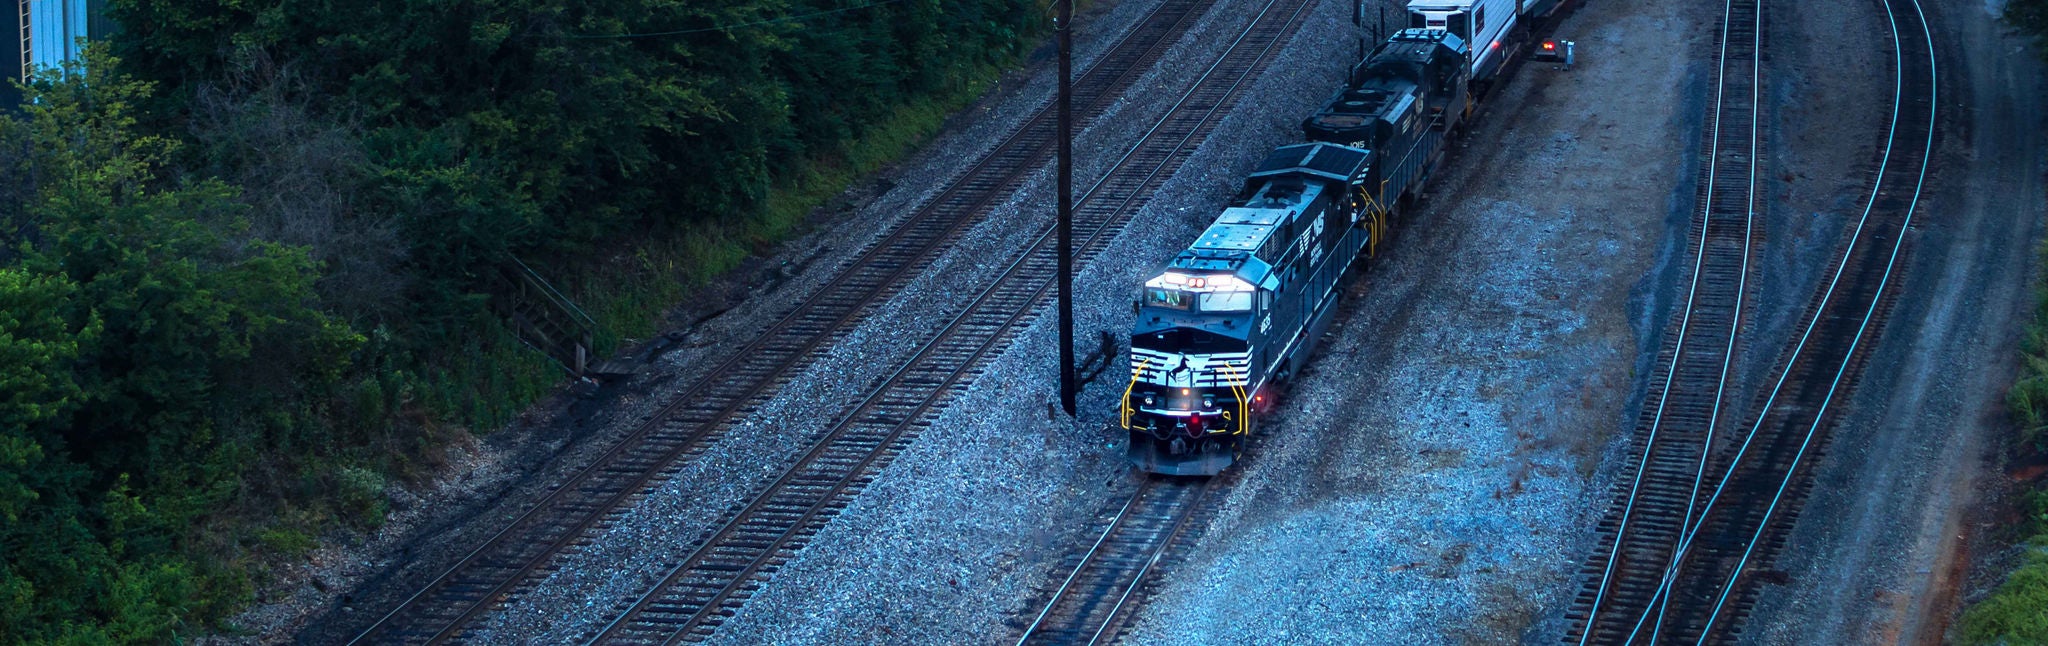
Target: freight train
1235,315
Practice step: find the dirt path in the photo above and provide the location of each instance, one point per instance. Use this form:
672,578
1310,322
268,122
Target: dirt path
1876,556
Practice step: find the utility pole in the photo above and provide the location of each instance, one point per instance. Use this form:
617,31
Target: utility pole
1066,216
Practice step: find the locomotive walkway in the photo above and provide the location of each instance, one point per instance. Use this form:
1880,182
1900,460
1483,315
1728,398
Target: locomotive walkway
1668,577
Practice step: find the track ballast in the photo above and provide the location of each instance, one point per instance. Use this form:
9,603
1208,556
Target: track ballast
507,563
702,590
1745,500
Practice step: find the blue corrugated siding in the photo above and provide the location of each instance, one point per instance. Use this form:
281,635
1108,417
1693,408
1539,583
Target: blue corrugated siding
53,31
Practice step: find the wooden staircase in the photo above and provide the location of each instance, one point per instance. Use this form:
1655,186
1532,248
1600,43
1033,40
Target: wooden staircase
543,318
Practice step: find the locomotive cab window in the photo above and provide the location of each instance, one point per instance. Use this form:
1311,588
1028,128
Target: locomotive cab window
1168,298
1227,302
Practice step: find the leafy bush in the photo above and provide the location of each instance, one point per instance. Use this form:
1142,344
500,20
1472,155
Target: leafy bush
149,351
361,494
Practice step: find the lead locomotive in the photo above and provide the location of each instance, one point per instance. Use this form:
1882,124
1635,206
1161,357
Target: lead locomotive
1236,314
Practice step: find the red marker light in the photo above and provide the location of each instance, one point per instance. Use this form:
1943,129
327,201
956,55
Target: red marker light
1549,45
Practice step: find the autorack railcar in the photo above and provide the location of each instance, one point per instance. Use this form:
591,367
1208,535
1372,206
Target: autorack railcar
1495,28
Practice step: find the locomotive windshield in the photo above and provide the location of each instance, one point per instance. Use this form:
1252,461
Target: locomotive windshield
1227,302
1169,298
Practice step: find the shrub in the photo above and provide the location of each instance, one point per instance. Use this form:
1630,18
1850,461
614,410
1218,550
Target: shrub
360,492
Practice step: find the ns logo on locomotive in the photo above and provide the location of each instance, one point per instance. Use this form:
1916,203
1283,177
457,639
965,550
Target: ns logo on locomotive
1238,312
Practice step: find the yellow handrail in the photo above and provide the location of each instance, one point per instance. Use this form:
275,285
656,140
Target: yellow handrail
1136,371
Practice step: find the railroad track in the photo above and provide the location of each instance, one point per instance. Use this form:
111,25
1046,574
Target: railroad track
1683,409
698,592
1712,582
1095,602
704,411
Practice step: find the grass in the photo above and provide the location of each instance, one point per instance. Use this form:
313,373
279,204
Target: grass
2017,612
490,380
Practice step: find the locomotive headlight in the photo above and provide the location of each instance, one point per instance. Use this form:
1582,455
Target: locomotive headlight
1208,401
1148,399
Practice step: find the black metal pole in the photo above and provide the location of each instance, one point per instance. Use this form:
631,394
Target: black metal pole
1066,182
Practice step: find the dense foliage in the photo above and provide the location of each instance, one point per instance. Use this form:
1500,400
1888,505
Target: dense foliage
528,126
244,271
2030,16
149,352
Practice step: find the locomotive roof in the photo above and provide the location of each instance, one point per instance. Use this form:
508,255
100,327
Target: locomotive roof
1415,47
1440,5
1382,98
1323,161
1290,179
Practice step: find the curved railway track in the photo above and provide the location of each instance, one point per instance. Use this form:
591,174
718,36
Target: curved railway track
697,593
1642,532
1092,605
1710,583
705,410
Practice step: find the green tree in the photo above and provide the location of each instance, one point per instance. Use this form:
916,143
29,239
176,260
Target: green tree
149,355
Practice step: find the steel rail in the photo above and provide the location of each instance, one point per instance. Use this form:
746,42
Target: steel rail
1726,351
1115,69
1085,559
1168,511
1748,228
1180,525
1842,369
995,335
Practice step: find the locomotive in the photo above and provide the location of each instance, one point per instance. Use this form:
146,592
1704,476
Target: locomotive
1237,313
1237,309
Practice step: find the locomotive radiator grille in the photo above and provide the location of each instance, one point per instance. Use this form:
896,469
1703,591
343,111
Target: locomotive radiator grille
1214,370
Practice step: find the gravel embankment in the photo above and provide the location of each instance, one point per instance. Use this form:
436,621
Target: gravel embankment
621,561
955,538
1433,477
488,483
